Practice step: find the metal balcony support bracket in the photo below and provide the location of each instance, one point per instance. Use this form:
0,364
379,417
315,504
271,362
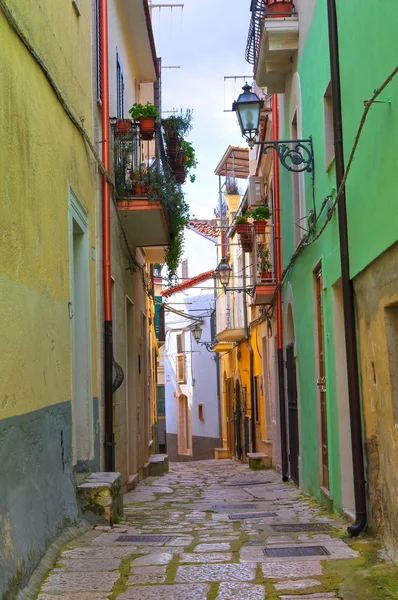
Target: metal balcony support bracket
249,291
294,155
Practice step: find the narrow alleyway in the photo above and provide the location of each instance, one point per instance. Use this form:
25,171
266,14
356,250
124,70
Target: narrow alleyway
213,530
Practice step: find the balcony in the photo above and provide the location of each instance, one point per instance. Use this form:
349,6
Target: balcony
263,265
272,42
230,317
141,212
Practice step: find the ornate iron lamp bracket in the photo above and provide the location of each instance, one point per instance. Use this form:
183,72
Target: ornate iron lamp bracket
294,155
249,291
208,345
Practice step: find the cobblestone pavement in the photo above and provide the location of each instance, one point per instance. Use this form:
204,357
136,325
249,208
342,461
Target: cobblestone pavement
214,530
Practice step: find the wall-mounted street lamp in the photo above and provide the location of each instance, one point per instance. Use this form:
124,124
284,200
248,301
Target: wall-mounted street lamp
223,272
197,334
294,155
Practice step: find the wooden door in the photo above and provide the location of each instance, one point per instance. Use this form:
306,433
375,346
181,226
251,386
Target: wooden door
238,422
230,416
321,382
294,445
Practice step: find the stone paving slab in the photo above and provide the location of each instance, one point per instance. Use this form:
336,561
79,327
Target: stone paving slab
76,596
212,547
210,557
240,591
145,575
166,592
217,572
290,569
89,564
156,558
300,584
76,582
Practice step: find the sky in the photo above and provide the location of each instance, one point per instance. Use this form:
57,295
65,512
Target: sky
207,40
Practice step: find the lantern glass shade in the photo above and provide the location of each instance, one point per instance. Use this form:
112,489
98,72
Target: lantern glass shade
224,272
197,332
248,107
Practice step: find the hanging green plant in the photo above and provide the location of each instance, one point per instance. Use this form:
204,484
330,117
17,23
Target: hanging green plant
177,212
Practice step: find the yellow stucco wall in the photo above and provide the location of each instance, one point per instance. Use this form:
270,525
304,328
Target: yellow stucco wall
41,155
377,301
236,365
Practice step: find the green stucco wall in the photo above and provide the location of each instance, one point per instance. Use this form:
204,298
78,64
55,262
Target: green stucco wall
371,201
314,74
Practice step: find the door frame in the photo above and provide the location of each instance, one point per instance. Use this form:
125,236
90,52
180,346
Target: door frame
77,213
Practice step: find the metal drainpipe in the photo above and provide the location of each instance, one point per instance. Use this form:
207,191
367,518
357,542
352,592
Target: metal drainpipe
106,244
251,354
279,311
347,285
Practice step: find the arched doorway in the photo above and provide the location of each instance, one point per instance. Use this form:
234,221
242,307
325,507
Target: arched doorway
292,399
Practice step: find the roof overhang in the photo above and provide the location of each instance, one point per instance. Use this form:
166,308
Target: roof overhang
234,163
140,33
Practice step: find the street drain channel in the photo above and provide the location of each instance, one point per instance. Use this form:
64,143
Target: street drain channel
145,539
301,527
295,551
242,516
232,506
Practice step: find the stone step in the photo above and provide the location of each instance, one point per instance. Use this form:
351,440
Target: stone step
100,497
221,453
258,461
158,465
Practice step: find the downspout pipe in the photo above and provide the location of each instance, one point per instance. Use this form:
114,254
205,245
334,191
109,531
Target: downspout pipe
279,309
348,287
251,361
106,244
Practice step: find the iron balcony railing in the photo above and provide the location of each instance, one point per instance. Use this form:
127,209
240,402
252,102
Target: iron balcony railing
261,10
136,161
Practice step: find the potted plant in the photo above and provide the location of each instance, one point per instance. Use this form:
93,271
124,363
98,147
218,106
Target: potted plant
280,8
140,177
189,158
232,195
146,114
264,263
259,215
244,230
123,125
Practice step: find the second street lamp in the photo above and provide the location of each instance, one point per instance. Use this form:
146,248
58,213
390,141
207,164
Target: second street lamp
224,272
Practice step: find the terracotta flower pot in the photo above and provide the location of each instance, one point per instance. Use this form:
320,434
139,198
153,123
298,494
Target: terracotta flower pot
260,226
266,276
147,127
280,8
123,125
141,188
245,232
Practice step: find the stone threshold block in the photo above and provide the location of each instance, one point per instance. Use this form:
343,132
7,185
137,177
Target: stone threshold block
258,461
221,453
100,497
158,465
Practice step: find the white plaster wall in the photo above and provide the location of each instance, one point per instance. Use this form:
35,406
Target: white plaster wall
201,367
